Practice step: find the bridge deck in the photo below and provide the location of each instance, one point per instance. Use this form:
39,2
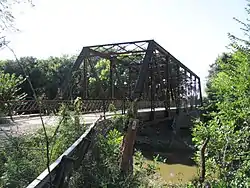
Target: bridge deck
25,124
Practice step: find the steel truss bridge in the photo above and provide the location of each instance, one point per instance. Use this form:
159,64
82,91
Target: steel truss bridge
139,70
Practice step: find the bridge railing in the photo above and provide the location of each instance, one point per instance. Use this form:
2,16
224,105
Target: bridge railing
48,106
89,106
71,159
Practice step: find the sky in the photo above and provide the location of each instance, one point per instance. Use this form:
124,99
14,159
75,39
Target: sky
194,31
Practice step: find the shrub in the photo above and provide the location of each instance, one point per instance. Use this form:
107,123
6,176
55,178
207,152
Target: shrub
227,157
101,167
23,158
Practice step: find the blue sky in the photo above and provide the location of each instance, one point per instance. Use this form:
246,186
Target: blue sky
194,31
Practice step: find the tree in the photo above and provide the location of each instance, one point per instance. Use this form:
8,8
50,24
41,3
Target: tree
242,43
215,68
46,75
228,127
9,90
7,18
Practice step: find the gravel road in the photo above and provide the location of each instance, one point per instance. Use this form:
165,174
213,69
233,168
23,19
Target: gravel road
29,124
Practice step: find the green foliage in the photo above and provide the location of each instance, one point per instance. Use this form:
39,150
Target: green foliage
9,87
110,145
102,168
112,108
120,122
9,90
68,130
228,128
242,43
227,121
20,163
23,158
46,75
215,68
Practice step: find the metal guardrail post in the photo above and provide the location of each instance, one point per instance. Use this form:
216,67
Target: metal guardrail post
104,109
123,106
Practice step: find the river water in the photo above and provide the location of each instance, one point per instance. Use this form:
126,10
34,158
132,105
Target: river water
176,150
177,173
178,166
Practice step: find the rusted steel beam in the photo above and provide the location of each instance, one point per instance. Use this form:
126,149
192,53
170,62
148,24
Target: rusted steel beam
85,80
75,66
168,90
143,71
110,54
111,84
201,102
178,89
112,44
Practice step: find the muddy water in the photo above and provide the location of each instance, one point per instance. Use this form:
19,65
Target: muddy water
178,166
177,173
174,148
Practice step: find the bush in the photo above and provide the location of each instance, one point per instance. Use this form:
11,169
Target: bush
227,157
101,168
23,158
9,91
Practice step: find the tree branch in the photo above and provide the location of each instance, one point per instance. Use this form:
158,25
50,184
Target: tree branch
40,109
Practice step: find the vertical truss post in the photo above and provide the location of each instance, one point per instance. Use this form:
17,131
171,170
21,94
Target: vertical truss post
104,108
189,89
192,91
171,80
199,83
186,91
160,92
178,90
152,92
129,83
111,78
85,80
65,91
167,108
195,92
146,89
123,106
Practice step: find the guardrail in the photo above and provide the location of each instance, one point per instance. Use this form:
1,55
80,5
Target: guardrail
61,169
48,106
89,106
92,105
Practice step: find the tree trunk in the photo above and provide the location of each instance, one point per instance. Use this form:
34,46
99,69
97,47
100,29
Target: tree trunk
128,147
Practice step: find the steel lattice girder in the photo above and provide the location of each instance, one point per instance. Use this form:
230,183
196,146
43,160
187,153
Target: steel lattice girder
152,73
